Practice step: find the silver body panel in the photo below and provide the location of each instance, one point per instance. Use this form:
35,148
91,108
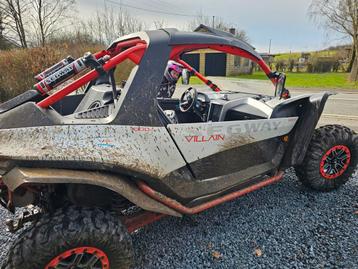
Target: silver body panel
199,140
146,150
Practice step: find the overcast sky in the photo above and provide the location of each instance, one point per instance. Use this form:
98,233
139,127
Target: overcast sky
285,22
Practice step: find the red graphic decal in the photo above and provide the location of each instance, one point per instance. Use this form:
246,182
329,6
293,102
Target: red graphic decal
199,139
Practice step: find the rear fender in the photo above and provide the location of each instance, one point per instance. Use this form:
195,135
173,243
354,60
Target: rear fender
309,109
21,175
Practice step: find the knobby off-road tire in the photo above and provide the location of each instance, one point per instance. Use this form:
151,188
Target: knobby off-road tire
331,158
70,237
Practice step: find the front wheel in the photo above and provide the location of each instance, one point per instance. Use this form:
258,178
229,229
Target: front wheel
73,238
331,158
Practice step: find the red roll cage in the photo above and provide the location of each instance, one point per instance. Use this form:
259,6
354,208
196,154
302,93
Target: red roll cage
134,50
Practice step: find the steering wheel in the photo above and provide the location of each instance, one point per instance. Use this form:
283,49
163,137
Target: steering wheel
187,100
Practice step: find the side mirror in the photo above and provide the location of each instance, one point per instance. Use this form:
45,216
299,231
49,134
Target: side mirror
185,76
280,86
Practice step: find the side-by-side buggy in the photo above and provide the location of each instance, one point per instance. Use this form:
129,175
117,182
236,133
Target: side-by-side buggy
91,168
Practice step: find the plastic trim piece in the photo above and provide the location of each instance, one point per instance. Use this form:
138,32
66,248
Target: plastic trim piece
21,175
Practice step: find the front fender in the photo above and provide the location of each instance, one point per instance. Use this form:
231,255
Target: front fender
309,109
22,175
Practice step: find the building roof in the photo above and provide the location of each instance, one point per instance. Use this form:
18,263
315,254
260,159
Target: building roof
206,29
209,30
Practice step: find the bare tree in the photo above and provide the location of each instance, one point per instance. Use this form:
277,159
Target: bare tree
108,24
200,18
242,35
2,22
158,24
352,58
49,16
15,14
340,16
2,29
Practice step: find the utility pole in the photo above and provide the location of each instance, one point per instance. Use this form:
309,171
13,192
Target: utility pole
270,46
213,21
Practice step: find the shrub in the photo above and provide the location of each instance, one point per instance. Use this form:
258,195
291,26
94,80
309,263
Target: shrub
280,65
19,66
291,65
323,64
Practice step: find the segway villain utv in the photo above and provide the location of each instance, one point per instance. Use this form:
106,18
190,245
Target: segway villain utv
82,161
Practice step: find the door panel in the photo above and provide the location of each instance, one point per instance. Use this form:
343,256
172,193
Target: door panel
239,158
215,148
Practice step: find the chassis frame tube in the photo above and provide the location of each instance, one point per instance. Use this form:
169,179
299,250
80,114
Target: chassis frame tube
200,76
178,50
197,209
140,220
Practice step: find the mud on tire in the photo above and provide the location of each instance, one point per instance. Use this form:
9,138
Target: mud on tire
331,158
59,237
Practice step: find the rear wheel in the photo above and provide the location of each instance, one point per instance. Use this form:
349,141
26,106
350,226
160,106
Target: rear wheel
331,158
73,238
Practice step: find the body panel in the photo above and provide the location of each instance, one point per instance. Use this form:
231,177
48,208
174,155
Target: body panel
199,140
186,188
146,150
224,154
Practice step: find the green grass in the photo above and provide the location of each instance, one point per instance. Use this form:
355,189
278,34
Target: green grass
297,55
311,80
193,81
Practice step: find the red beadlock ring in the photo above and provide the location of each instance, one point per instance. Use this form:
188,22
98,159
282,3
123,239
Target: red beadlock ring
80,250
330,156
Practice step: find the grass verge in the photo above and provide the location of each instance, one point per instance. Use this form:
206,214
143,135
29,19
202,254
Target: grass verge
311,80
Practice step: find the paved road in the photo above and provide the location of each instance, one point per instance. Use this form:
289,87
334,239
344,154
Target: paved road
341,108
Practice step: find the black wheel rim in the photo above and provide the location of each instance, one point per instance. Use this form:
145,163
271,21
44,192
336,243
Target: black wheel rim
335,162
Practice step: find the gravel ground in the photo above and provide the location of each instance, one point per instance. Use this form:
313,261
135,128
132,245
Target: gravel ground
281,226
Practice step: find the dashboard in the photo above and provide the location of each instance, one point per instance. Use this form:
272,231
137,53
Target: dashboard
227,106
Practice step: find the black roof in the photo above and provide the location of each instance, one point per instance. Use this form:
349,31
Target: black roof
214,36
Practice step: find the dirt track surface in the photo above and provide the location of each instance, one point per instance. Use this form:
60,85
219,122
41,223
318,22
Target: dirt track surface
281,226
